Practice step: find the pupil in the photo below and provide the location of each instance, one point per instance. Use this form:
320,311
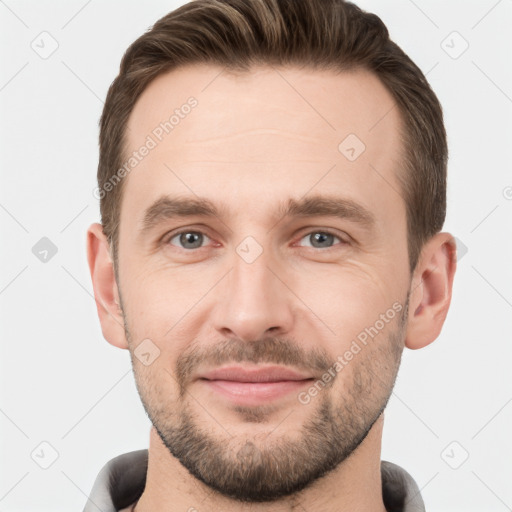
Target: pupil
321,237
189,238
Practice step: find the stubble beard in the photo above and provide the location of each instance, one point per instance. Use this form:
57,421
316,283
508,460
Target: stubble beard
266,468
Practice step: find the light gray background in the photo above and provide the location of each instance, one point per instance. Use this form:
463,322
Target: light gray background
63,384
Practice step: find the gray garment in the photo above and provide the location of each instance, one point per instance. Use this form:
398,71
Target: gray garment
121,482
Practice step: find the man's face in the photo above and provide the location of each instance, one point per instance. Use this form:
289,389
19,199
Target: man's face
254,288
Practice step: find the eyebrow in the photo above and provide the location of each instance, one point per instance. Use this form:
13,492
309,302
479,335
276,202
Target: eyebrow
168,207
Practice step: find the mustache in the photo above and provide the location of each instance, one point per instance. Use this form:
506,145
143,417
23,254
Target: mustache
267,350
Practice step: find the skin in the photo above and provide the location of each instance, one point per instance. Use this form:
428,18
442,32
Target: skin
251,143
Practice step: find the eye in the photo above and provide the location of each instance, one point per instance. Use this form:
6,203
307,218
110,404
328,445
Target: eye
321,239
189,239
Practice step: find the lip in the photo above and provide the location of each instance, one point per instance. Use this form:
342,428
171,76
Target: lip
254,386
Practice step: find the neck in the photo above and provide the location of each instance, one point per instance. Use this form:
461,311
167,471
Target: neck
355,485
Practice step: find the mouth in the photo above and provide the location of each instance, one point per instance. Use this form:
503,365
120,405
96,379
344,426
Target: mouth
254,385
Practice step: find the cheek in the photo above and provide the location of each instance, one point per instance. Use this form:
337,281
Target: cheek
347,299
158,391
160,313
156,300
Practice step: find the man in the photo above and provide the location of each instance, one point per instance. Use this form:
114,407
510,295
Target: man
272,185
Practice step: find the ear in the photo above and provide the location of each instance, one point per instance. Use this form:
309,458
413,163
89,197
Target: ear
431,290
106,293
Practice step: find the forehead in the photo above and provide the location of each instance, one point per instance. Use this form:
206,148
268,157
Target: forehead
206,127
332,102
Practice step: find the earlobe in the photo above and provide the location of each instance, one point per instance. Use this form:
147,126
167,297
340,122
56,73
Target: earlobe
431,291
104,284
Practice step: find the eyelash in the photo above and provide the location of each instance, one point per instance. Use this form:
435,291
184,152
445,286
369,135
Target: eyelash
168,239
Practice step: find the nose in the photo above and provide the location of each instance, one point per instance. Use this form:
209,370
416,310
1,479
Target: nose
254,301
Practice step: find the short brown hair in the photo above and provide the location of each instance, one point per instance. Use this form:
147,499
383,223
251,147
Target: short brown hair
320,34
